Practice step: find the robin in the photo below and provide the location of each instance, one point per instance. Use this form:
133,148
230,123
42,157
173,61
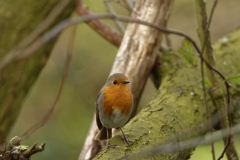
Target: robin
113,107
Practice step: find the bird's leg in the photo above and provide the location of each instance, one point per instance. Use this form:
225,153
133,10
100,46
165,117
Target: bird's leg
125,138
108,143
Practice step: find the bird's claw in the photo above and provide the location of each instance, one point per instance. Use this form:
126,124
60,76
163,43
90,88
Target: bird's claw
111,145
126,140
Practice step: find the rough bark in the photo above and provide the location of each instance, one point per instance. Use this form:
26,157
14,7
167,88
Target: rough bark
138,51
18,18
176,107
135,57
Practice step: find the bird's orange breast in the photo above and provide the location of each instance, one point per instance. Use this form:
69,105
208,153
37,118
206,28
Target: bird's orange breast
117,97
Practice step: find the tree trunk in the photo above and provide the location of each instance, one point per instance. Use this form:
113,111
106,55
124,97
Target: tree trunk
176,108
135,57
19,18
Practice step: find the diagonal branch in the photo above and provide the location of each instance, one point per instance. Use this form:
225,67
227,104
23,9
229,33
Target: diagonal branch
45,119
112,11
99,25
205,39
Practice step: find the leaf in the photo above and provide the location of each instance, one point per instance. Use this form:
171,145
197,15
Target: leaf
188,53
234,79
207,84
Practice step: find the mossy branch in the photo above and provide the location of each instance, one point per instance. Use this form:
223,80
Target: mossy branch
176,108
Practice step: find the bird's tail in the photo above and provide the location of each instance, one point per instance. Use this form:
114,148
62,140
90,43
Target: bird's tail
104,134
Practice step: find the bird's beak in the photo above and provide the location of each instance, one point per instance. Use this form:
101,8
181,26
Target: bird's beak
126,81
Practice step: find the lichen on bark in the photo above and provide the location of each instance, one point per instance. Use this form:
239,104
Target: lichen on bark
176,107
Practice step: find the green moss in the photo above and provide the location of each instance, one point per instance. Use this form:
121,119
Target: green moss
176,108
168,114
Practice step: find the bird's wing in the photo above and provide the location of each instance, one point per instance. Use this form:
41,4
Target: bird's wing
98,102
99,123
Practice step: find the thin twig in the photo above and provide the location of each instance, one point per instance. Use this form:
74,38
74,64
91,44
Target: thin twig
99,26
228,93
64,76
213,89
207,109
129,4
228,97
211,13
111,10
68,22
230,125
183,145
203,31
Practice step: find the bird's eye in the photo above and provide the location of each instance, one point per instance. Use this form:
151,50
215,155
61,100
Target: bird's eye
114,82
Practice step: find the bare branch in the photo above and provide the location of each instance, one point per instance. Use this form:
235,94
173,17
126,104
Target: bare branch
14,150
129,4
112,11
182,145
21,54
56,30
204,36
64,76
99,26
